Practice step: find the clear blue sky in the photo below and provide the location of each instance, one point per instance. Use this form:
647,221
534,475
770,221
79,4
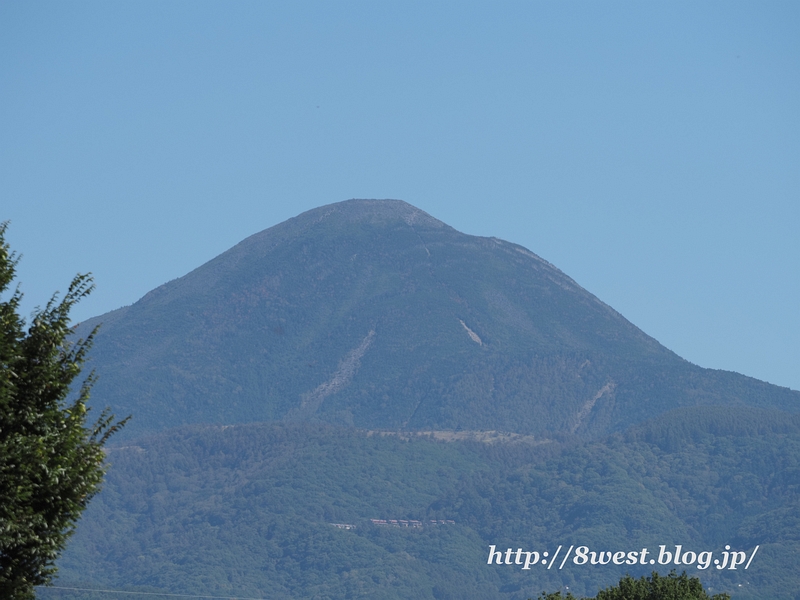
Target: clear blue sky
649,150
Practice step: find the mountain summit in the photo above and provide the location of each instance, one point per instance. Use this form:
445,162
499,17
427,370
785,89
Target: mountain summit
373,314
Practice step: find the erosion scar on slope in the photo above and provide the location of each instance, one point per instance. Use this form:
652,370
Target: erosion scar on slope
344,373
472,335
589,405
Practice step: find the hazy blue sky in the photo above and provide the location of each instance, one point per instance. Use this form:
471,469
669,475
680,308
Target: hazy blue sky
649,150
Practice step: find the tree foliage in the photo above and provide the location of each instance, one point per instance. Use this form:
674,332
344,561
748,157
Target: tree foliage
51,463
654,587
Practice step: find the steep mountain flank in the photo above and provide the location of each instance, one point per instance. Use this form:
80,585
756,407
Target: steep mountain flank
371,313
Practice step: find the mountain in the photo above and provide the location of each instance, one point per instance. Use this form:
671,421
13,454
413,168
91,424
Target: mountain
373,314
361,402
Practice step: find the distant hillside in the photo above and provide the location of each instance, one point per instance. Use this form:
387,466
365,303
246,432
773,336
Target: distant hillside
251,510
373,314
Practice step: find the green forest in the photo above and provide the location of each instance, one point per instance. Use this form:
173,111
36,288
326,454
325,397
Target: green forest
252,510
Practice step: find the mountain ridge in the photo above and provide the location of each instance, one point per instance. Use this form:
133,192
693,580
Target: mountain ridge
374,314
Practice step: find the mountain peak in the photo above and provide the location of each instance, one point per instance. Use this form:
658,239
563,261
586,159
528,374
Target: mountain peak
374,211
332,220
374,314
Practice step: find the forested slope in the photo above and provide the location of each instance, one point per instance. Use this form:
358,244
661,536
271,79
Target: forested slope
248,510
